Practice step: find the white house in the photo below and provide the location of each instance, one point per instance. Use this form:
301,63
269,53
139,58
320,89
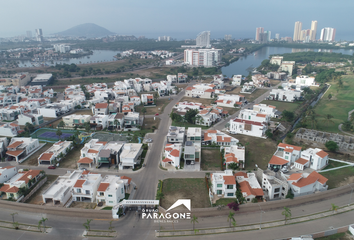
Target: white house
252,115
236,80
75,120
201,90
316,159
260,80
176,134
130,155
147,99
274,185
172,78
247,127
229,100
285,154
34,119
219,138
249,186
185,106
235,154
99,122
248,88
306,81
136,100
20,147
111,190
304,183
181,77
284,95
266,109
9,129
172,155
100,109
7,172
223,184
55,152
91,151
85,188
49,111
207,117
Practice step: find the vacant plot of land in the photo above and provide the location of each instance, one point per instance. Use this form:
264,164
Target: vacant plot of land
70,159
338,106
185,188
204,101
281,106
182,85
254,95
33,159
187,125
236,90
225,201
334,164
160,106
258,150
150,122
211,159
274,82
37,197
230,110
84,112
338,236
339,177
83,205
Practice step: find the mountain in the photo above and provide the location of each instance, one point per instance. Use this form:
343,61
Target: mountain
89,30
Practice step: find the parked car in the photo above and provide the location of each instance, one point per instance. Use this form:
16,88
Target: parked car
156,114
52,167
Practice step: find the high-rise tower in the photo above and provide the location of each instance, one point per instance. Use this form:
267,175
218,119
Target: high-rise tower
297,31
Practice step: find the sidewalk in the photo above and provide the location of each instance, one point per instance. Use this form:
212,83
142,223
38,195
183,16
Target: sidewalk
251,227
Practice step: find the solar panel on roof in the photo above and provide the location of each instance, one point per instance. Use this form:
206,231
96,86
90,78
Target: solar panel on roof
189,143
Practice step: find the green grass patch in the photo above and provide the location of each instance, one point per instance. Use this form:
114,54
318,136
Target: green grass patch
187,125
185,188
107,208
336,236
334,164
281,106
338,106
225,201
211,159
338,177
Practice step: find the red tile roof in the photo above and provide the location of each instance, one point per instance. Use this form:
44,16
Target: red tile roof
283,145
101,105
295,177
209,90
85,160
229,180
174,153
79,183
322,154
15,144
125,177
247,122
102,187
301,161
277,161
261,115
246,188
321,178
15,153
25,177
241,174
92,151
46,156
220,139
167,160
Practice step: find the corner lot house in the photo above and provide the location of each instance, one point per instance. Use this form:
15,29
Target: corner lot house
85,188
304,183
6,173
130,155
112,190
249,186
223,184
20,147
172,155
176,134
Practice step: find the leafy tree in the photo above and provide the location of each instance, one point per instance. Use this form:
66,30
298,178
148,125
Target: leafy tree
328,120
159,195
61,124
143,110
87,224
347,125
331,146
334,208
254,200
234,166
176,117
289,116
59,133
286,213
231,217
234,206
194,220
290,194
87,126
269,133
190,115
329,96
234,225
29,127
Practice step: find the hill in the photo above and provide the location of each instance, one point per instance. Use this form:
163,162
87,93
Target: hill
89,30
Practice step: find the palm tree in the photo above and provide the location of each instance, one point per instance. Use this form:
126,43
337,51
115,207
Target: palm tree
312,118
231,217
194,220
13,216
328,120
334,208
143,110
42,221
234,225
286,213
87,224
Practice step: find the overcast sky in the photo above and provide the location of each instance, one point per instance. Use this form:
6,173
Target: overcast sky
177,18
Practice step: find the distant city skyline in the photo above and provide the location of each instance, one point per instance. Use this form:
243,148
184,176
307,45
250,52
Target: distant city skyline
116,17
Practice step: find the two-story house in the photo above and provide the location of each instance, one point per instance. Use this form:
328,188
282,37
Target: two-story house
176,134
100,109
172,154
130,155
85,188
111,190
223,184
20,147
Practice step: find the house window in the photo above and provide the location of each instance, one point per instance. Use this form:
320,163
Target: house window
219,185
101,193
230,194
110,201
218,192
277,190
122,191
78,190
230,186
192,138
109,195
87,192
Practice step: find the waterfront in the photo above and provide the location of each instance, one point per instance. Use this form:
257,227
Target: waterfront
97,56
255,59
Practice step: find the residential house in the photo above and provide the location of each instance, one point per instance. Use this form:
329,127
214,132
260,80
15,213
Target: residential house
194,134
176,134
287,66
182,78
6,173
285,155
20,148
76,120
266,109
260,81
304,183
130,155
192,154
132,121
49,111
172,78
100,109
223,184
111,190
274,184
110,154
90,151
147,99
249,186
9,129
172,155
99,122
116,120
236,80
284,95
219,138
135,100
314,158
227,100
3,146
247,127
55,152
9,114
85,188
207,117
248,88
34,119
201,90
306,81
22,180
234,154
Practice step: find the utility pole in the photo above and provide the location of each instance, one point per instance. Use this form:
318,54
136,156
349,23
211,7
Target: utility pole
351,193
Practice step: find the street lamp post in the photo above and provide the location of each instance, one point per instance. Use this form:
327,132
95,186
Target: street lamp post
351,193
260,222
